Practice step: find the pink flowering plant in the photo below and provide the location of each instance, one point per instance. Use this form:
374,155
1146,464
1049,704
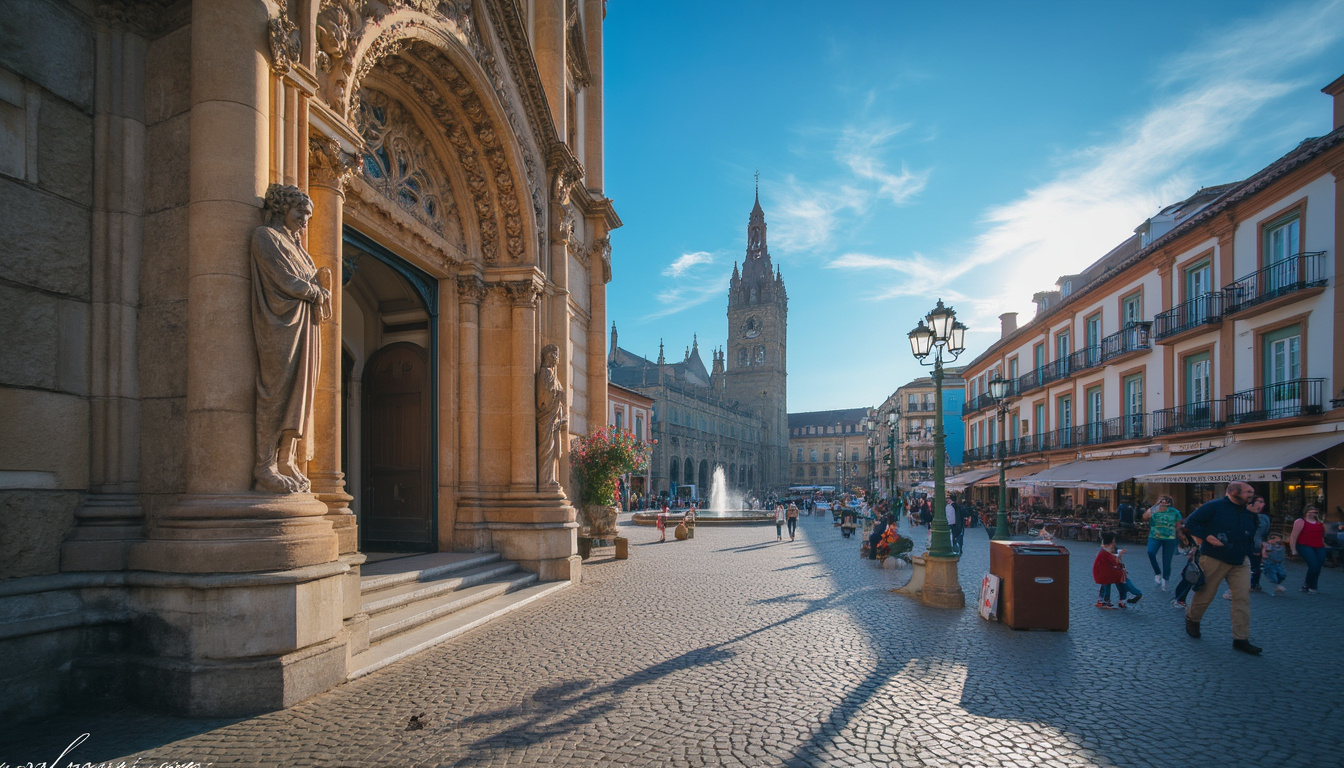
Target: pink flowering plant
599,459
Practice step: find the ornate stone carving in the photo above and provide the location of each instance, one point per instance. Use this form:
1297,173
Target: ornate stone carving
328,164
471,289
290,297
399,162
523,293
333,35
284,40
552,418
147,18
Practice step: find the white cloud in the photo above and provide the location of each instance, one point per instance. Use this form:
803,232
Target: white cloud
1104,191
686,262
809,214
691,279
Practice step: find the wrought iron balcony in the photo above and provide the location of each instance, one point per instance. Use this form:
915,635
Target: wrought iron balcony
1201,310
1191,417
1135,337
1295,273
1299,397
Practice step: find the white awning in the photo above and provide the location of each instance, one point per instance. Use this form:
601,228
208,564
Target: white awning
959,481
1247,460
1098,474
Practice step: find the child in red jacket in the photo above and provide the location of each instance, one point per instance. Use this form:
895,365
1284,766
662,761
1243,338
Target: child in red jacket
1107,569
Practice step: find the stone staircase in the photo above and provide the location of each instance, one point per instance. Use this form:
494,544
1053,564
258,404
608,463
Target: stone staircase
416,602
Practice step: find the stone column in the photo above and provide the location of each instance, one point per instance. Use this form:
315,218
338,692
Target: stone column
549,48
523,444
111,518
221,525
470,533
594,12
328,169
599,274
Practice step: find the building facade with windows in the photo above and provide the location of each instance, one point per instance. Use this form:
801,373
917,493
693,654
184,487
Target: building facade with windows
903,431
829,448
1204,349
633,412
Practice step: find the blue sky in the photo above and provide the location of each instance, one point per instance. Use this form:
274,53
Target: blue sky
911,151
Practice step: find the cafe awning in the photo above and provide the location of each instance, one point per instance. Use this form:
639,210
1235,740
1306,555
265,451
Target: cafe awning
1106,474
961,480
1010,475
1247,460
1099,474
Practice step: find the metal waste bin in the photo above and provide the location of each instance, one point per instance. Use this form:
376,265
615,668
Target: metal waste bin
1034,591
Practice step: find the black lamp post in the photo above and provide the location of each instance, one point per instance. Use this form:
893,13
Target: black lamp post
998,391
893,419
943,334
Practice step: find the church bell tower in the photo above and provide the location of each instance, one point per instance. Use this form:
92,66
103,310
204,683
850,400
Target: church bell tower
756,359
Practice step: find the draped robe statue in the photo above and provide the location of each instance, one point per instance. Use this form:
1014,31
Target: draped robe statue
290,297
551,418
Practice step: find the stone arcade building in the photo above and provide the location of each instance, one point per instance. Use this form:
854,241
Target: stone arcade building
452,153
734,416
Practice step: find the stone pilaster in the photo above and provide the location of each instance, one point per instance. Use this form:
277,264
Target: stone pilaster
329,167
523,295
470,528
111,518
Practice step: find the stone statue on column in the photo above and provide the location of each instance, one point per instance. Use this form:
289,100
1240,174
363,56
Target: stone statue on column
290,297
552,418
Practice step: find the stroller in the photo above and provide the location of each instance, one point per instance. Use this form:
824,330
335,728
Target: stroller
847,524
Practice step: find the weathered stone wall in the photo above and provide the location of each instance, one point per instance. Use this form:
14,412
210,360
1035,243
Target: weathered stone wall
46,191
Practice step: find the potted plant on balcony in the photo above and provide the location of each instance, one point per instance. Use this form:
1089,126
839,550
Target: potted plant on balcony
597,462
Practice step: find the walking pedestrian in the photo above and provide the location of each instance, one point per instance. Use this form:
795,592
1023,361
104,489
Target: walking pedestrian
792,516
1162,520
1257,507
1227,529
1308,540
779,522
662,525
954,522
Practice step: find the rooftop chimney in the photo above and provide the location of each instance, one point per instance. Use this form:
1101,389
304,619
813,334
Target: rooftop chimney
1336,90
1007,324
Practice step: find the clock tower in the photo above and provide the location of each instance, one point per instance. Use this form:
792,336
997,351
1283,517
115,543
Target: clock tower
757,356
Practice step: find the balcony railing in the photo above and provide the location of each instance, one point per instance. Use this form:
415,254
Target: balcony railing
1135,337
1299,397
1295,273
1133,427
1201,310
1191,417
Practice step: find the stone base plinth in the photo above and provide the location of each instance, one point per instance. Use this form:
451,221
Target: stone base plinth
238,533
942,587
537,530
222,645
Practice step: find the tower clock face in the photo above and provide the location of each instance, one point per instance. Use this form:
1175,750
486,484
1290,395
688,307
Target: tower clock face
752,328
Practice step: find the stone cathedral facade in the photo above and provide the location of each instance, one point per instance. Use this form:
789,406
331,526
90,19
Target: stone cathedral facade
735,414
441,164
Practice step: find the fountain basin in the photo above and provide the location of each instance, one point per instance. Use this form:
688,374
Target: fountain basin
709,517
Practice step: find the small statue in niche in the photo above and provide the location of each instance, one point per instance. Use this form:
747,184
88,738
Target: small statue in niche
290,297
552,419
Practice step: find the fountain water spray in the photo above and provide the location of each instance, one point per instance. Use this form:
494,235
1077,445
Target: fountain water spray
719,499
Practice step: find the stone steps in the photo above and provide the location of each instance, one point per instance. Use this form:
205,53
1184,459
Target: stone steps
414,603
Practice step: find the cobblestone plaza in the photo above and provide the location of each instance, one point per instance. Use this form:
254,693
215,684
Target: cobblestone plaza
734,649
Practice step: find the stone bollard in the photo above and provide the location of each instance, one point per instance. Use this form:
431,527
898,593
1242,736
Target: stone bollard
622,548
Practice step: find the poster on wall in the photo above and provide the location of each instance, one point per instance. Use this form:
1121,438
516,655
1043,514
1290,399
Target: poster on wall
989,597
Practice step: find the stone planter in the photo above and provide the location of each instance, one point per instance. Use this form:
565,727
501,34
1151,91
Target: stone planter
597,521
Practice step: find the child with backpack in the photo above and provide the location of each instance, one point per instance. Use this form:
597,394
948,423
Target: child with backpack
1108,569
1192,576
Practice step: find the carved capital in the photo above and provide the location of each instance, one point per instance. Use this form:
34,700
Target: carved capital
284,40
471,289
328,164
523,293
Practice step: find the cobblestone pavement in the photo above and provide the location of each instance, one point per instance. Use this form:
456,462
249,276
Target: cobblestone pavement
732,649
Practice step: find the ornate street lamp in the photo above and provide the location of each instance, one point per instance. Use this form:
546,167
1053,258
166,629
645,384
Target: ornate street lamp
892,419
998,391
943,335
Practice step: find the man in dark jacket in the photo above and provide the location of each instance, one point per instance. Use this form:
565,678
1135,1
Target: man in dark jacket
1227,529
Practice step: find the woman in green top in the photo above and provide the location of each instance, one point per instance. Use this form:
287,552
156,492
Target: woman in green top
1162,519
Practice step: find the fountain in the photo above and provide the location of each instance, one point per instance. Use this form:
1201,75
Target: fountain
725,508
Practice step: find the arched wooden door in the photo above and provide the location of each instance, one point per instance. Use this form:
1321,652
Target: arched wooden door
397,512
